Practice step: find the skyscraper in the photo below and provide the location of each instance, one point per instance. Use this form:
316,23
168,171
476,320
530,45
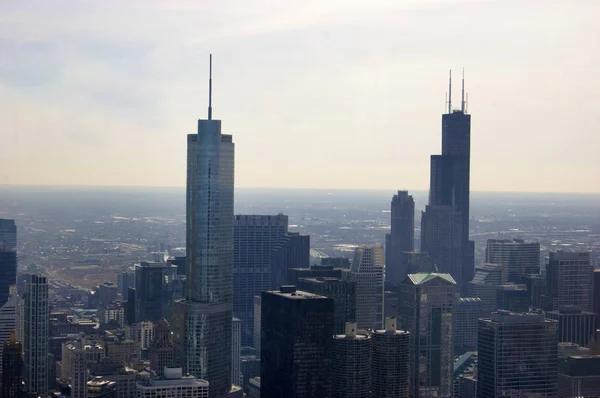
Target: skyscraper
517,356
574,325
8,271
254,238
426,304
12,366
579,376
513,298
257,321
82,355
296,332
153,296
8,233
291,251
390,361
521,258
569,280
488,278
401,237
8,320
367,271
465,318
450,189
351,358
597,296
35,371
236,337
161,348
202,322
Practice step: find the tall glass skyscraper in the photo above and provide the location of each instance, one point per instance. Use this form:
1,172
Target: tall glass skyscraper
37,323
401,237
203,320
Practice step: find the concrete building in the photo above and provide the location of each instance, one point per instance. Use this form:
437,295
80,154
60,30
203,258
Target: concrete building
574,325
142,333
351,358
236,338
569,281
367,271
100,388
517,356
426,306
579,376
401,237
390,361
114,370
465,321
173,385
160,351
520,258
36,336
296,330
8,321
77,358
488,278
254,238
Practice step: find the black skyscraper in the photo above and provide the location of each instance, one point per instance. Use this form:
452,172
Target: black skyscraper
449,189
296,334
401,237
12,365
153,297
8,271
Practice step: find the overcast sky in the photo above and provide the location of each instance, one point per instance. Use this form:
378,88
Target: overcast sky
317,93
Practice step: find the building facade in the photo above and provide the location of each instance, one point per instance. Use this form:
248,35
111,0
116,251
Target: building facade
465,321
520,257
161,348
173,385
291,251
236,347
12,365
569,281
351,358
390,361
574,325
401,237
8,233
367,271
579,376
36,336
153,296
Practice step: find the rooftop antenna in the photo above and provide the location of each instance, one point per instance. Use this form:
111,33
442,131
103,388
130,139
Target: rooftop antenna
210,88
450,92
462,103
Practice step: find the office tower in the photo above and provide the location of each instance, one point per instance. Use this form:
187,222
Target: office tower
8,233
536,286
445,222
520,258
161,348
513,298
130,306
401,237
517,356
257,321
114,313
153,296
597,296
35,369
351,358
464,378
114,370
426,305
107,292
173,385
82,354
254,388
236,338
441,239
202,322
579,377
574,325
569,280
390,362
367,272
488,278
12,365
253,239
8,272
343,294
179,262
296,330
314,271
122,350
8,324
292,251
465,319
142,333
125,280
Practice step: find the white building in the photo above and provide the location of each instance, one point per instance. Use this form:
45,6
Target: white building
173,385
7,321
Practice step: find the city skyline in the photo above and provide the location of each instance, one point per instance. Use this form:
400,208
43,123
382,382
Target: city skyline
107,91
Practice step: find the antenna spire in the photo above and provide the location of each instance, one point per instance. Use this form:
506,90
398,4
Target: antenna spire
450,93
462,102
210,88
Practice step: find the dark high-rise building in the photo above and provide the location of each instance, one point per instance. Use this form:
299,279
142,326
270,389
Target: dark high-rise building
8,233
343,294
130,306
488,278
315,271
569,280
8,272
254,237
12,366
597,296
390,361
574,325
202,322
579,376
426,305
179,262
536,286
518,256
517,356
351,357
153,296
292,251
401,237
125,280
296,333
465,320
449,191
160,351
513,298
36,322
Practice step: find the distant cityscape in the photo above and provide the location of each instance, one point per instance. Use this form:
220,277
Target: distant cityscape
215,292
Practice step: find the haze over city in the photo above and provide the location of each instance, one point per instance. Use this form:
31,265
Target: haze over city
337,94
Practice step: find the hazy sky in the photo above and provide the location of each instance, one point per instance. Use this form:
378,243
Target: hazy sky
317,93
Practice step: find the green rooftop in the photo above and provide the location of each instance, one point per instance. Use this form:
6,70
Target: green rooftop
422,277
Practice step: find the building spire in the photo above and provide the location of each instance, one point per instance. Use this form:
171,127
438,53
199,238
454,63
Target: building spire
210,88
462,102
450,93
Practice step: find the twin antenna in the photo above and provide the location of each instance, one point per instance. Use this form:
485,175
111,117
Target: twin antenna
463,103
210,88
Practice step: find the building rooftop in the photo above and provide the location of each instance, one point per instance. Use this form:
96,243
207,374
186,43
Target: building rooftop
290,291
422,277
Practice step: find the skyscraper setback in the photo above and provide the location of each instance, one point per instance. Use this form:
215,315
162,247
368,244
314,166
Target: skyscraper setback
203,320
445,222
